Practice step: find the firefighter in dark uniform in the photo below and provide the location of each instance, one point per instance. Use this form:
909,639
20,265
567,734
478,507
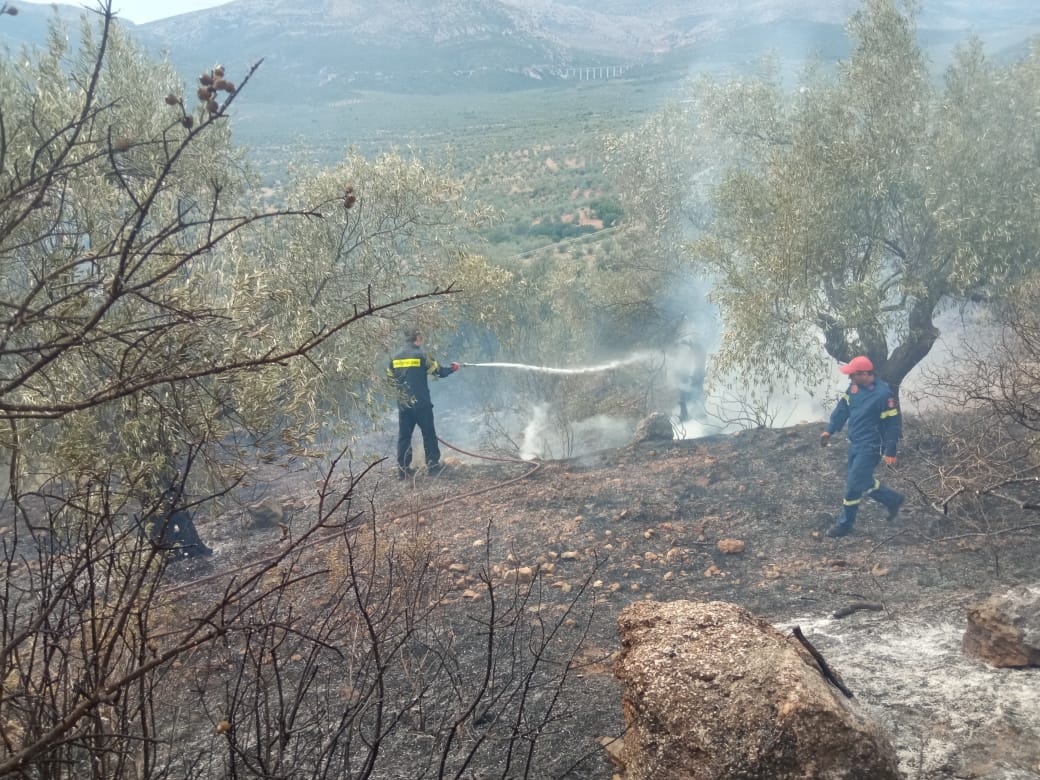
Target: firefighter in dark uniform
872,412
169,523
410,370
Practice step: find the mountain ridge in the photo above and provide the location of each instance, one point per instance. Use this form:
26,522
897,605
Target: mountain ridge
460,45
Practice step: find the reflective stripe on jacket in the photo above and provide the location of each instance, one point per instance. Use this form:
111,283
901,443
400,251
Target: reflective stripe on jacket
872,413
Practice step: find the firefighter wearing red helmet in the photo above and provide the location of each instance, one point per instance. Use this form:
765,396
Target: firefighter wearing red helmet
871,410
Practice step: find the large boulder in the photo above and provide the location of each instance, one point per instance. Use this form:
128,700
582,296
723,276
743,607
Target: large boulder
710,691
655,427
1004,630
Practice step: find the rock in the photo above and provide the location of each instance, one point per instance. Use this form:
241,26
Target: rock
730,546
266,514
1004,630
522,574
656,427
712,692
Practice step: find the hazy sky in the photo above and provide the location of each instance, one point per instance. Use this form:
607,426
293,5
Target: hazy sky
140,11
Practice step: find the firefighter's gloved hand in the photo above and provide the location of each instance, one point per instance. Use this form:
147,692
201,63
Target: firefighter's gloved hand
455,366
825,439
890,460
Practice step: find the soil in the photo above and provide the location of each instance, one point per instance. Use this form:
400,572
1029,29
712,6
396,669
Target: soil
645,522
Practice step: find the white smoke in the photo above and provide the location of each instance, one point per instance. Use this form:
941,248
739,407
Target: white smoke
533,440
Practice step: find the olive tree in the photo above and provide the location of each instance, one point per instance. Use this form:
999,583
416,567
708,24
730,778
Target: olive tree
159,319
853,209
391,227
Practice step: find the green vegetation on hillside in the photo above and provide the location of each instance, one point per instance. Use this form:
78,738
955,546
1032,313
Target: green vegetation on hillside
854,208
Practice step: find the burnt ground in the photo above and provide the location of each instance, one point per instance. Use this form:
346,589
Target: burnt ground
644,522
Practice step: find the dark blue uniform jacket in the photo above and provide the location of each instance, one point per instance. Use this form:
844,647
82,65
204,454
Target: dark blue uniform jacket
409,369
872,413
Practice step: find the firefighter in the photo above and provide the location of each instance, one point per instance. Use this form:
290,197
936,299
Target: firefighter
689,360
172,526
410,370
872,412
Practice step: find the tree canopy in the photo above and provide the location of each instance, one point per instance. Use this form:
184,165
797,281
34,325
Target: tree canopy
853,209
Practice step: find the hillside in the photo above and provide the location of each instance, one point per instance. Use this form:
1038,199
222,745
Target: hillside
321,51
487,77
644,522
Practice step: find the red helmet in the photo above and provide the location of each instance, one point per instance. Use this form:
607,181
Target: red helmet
858,363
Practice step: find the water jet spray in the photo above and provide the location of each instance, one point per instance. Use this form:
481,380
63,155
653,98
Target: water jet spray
553,370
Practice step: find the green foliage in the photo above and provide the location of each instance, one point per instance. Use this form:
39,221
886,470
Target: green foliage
109,199
858,206
607,210
156,305
407,232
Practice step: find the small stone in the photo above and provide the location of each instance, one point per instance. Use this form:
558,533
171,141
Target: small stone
730,546
266,514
